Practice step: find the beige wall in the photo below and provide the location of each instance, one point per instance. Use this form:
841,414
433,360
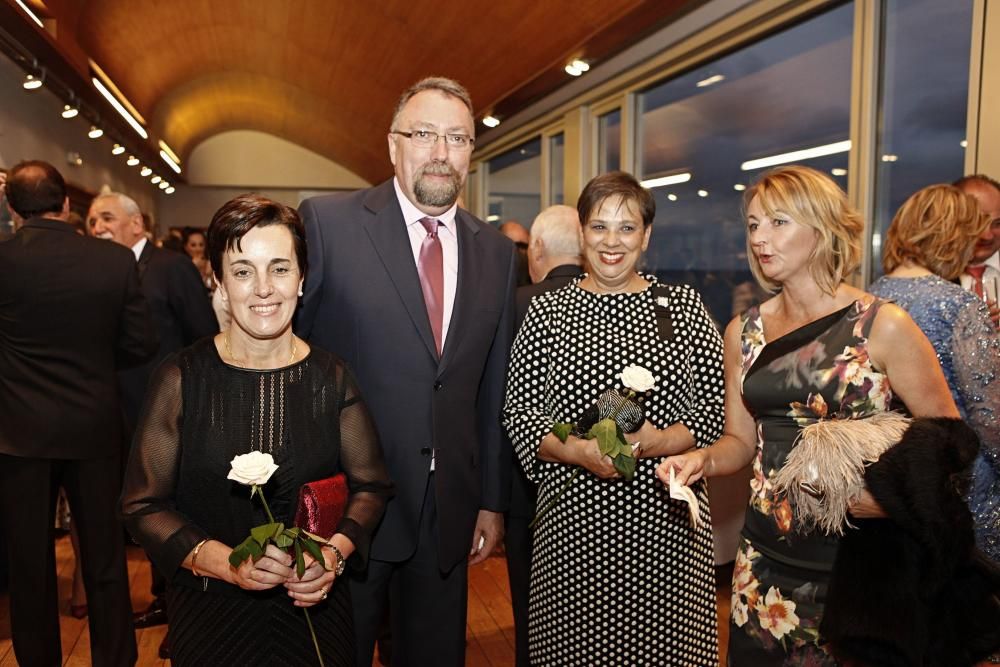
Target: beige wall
246,159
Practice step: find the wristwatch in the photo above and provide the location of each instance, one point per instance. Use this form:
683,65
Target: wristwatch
341,561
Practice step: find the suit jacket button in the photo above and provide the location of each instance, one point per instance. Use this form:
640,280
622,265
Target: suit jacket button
437,386
425,451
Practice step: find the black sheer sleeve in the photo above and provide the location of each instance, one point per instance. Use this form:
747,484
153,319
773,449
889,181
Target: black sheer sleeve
362,462
147,505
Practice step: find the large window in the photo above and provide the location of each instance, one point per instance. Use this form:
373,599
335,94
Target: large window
514,184
557,157
706,134
609,142
923,100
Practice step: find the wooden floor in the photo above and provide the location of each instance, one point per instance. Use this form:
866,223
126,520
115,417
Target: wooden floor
490,630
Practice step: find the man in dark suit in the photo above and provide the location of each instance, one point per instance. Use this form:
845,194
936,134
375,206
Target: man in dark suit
182,314
554,259
71,312
417,296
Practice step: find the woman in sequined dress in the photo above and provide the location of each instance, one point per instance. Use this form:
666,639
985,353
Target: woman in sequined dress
254,387
929,242
818,350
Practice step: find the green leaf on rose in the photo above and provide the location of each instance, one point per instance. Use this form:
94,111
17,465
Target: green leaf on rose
316,538
283,541
293,532
314,550
300,561
606,431
265,532
625,465
238,555
562,431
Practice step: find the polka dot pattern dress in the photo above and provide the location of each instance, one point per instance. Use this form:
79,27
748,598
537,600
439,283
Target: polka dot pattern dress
618,574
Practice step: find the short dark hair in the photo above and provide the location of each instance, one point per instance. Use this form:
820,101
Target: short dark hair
616,184
977,178
241,214
35,188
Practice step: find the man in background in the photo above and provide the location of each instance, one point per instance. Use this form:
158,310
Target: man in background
982,276
516,232
71,314
554,259
182,314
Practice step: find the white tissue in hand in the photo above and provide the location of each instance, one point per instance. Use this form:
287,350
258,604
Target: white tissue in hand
685,494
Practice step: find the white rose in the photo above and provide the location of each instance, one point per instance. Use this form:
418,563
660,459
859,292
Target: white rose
253,468
638,379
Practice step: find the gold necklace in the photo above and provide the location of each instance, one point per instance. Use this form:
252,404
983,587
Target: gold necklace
241,363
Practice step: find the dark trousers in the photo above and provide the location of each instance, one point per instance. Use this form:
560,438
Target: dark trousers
28,489
517,542
427,607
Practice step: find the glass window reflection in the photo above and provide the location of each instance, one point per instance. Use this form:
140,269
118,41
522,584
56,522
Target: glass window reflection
513,184
556,168
609,142
697,133
923,103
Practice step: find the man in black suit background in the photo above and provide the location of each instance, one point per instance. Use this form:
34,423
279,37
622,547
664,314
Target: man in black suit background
182,314
71,313
554,259
417,296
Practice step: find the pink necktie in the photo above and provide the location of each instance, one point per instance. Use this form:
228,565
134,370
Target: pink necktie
977,278
430,268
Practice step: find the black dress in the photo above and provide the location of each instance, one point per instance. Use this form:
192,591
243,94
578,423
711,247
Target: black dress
199,414
819,371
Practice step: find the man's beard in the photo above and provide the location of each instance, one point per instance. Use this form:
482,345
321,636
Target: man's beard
434,193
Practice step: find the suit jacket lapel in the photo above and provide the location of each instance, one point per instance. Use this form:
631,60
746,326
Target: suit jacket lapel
144,256
470,261
388,234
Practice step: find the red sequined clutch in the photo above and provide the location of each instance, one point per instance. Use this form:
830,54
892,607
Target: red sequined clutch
321,505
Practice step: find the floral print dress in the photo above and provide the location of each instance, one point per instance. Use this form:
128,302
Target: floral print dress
818,371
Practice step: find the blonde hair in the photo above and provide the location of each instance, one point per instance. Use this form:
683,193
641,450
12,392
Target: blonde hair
935,228
812,199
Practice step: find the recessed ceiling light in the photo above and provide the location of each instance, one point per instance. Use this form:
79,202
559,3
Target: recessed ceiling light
889,157
70,111
118,149
739,187
838,171
963,143
490,120
164,185
132,161
169,190
95,132
672,197
145,171
155,179
702,193
32,82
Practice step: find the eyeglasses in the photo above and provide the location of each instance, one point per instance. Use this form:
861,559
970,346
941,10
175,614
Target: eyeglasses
426,139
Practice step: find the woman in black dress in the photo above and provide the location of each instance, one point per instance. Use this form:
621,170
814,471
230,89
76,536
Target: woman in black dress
818,350
253,388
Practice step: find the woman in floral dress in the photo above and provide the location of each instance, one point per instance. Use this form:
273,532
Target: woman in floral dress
820,349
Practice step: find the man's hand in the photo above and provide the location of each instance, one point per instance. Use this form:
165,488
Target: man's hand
486,537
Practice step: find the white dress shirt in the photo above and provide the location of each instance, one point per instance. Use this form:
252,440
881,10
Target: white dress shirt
137,248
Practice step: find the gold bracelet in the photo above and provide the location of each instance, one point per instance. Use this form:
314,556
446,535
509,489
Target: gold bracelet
194,557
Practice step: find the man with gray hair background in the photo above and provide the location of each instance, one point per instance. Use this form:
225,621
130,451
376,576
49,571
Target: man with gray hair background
181,313
554,260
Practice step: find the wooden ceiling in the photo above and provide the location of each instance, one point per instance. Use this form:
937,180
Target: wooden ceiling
325,74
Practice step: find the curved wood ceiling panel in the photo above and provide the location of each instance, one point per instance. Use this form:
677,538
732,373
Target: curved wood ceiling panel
326,73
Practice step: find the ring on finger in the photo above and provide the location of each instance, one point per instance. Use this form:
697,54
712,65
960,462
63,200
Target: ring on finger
323,597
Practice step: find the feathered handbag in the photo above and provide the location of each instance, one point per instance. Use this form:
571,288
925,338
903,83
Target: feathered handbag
826,467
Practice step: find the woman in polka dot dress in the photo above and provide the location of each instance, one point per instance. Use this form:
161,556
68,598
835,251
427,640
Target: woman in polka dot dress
619,575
